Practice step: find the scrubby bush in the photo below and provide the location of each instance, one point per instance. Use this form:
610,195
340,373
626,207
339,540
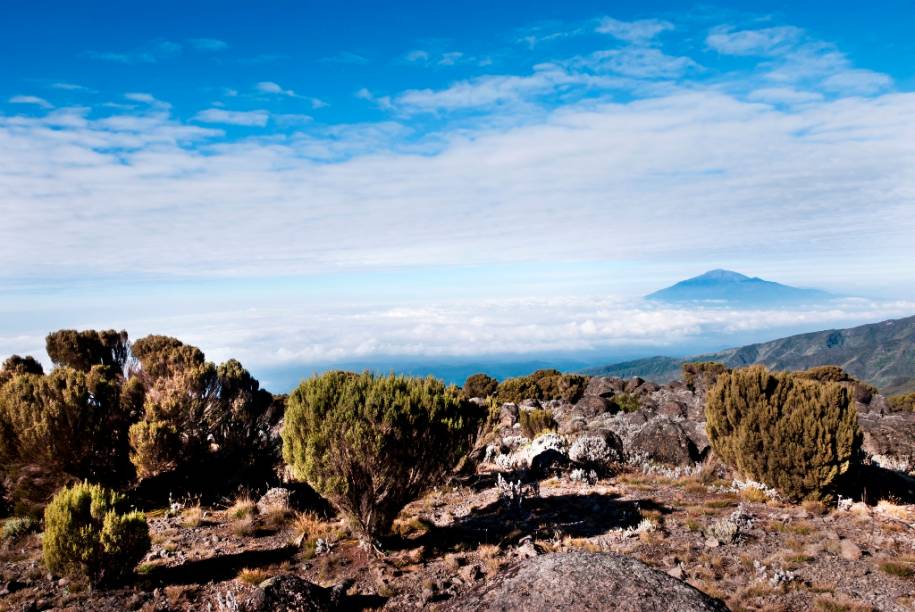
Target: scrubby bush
535,422
14,365
797,435
902,403
702,373
68,421
88,534
516,390
371,444
480,385
195,412
81,350
543,385
625,402
862,391
16,527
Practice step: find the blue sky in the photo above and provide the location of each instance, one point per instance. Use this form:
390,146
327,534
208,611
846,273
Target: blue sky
296,183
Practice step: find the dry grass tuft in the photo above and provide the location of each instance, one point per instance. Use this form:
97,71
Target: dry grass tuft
253,576
192,517
243,508
490,557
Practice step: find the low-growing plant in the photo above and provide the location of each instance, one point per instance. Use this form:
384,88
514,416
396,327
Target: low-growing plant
902,570
89,533
18,526
625,402
244,507
797,435
253,576
535,422
902,403
371,444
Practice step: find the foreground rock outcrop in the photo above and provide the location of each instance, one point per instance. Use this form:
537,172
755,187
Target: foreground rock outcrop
585,581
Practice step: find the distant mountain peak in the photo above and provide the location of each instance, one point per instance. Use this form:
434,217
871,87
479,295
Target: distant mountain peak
727,286
719,274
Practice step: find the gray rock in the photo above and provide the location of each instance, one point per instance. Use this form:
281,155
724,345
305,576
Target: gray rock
584,581
508,415
273,499
633,383
599,386
664,441
591,406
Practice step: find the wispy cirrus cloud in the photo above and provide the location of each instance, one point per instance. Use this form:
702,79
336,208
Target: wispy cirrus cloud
211,45
31,100
272,88
254,118
641,31
149,53
345,57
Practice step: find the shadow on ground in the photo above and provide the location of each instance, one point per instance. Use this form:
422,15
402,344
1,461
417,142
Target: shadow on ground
218,568
577,516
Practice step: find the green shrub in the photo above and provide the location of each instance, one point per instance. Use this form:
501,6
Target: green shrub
195,412
371,444
863,392
702,373
68,421
480,385
625,402
902,403
534,422
16,527
81,350
543,385
88,534
516,390
789,432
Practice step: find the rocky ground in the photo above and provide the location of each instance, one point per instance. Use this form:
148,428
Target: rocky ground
537,525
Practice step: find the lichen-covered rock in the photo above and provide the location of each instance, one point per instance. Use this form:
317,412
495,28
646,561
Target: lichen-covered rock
889,439
592,405
274,499
664,440
508,415
600,386
290,593
584,581
598,451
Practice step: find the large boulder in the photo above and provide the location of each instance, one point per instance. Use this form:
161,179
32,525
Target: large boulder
591,406
584,581
600,386
600,450
664,440
889,439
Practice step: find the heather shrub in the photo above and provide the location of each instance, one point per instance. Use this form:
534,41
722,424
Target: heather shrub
16,527
68,421
535,422
516,390
862,391
702,373
625,402
797,435
371,444
195,412
902,403
480,385
88,534
16,364
81,350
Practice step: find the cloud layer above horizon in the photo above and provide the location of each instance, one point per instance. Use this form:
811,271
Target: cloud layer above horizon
654,142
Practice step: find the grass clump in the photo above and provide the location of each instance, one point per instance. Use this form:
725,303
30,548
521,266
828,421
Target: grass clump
536,422
88,534
894,568
253,577
371,444
792,433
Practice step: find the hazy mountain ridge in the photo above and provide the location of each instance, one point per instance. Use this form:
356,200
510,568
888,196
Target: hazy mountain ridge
882,354
735,288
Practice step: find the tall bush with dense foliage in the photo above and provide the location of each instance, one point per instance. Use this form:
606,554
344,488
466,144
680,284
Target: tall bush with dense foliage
88,533
195,411
371,444
789,432
480,385
81,350
546,384
70,421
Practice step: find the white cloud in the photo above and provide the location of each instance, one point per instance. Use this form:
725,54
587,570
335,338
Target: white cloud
269,87
71,87
784,95
248,118
764,41
149,53
345,57
32,100
641,31
851,82
208,44
148,99
640,63
417,55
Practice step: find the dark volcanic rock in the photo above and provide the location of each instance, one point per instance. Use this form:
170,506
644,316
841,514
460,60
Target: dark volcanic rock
591,405
585,581
664,441
889,439
599,386
633,383
293,594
